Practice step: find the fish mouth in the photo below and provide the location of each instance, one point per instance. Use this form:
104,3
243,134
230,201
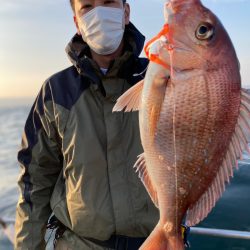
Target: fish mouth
165,42
162,49
167,51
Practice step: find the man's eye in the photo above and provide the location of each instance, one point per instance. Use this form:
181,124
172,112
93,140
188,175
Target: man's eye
86,6
110,1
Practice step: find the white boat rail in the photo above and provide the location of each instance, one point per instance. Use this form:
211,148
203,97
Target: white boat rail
221,233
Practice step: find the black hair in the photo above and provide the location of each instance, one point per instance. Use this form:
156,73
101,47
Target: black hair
72,3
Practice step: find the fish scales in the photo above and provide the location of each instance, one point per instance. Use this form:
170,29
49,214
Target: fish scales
194,119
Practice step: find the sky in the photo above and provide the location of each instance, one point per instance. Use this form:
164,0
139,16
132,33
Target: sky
34,34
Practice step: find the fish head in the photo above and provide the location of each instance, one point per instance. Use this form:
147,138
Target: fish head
196,39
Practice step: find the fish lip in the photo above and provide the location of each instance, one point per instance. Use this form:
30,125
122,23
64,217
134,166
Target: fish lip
168,46
164,42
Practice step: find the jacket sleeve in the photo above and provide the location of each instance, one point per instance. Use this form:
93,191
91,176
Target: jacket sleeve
41,162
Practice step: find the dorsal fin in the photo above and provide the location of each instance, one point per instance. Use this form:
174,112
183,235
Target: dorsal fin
238,144
140,166
131,99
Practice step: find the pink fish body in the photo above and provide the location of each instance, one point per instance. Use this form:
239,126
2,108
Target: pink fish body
194,119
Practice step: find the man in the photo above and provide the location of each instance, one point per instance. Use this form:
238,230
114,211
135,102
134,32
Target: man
77,155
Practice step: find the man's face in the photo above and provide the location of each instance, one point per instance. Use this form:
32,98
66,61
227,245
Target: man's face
84,6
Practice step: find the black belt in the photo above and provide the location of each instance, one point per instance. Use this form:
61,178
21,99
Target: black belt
116,242
119,242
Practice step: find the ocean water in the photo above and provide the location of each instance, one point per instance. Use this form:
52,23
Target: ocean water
12,120
232,211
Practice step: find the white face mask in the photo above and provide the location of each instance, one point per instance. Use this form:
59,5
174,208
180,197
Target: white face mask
102,29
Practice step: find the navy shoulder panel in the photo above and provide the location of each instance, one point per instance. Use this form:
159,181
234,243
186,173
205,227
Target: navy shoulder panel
65,87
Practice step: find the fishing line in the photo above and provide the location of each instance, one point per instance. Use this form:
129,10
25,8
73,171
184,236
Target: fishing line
153,55
141,74
170,50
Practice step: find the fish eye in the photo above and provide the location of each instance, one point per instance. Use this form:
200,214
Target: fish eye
205,31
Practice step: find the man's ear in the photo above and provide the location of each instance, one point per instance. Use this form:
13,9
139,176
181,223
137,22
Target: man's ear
76,24
127,13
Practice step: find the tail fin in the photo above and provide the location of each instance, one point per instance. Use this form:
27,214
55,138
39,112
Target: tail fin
158,240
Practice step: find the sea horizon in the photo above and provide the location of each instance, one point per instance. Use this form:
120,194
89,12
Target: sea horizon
6,102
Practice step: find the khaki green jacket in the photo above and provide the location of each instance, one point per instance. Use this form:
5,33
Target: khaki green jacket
77,156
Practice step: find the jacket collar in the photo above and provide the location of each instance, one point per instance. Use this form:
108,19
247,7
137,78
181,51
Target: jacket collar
79,53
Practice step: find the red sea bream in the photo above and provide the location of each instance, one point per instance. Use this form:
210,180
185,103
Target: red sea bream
194,119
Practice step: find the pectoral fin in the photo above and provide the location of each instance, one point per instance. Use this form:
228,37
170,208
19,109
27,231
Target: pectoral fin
131,99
